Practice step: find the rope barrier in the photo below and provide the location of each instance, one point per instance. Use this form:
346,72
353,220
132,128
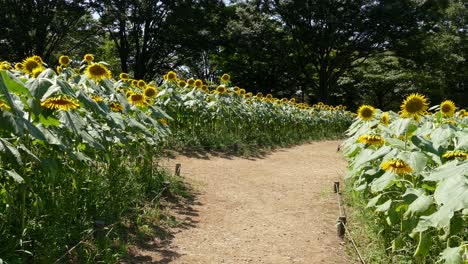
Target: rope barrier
342,228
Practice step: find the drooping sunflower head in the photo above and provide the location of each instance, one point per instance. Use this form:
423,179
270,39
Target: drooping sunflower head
150,91
59,69
292,100
225,77
123,76
284,100
88,58
414,106
97,98
115,107
371,140
137,99
191,82
181,84
269,96
97,72
5,65
141,84
64,60
29,64
385,118
60,102
365,112
4,106
462,113
37,71
171,76
19,66
259,95
221,89
455,154
397,166
198,83
447,108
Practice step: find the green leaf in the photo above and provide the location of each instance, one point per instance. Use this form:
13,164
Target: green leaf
383,182
15,176
417,161
442,136
13,84
10,150
452,255
424,245
384,207
448,170
420,205
424,144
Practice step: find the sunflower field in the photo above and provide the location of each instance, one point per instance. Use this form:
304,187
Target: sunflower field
78,146
411,168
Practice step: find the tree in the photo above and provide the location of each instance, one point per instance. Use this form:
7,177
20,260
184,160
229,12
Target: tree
37,27
333,35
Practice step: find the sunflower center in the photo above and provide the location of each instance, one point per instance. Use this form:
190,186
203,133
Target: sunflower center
414,105
30,65
97,70
446,108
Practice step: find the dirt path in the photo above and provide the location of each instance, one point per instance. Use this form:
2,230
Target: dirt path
275,209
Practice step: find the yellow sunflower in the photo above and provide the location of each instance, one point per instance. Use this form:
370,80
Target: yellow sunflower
385,118
269,96
97,72
371,140
221,89
205,88
29,64
3,105
462,113
19,66
397,166
60,102
134,82
141,84
116,107
128,94
123,76
414,106
137,99
38,59
171,76
181,84
292,100
447,108
58,69
191,82
241,91
89,57
150,91
37,71
365,112
64,60
225,77
198,83
248,95
259,95
455,154
97,98
284,100
5,65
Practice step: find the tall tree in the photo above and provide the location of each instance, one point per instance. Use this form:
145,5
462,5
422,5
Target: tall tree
36,26
333,34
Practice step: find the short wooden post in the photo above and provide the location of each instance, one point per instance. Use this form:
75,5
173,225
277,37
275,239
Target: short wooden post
177,169
336,187
167,189
340,227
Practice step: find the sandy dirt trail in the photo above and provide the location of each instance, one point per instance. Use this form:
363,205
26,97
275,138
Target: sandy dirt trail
279,208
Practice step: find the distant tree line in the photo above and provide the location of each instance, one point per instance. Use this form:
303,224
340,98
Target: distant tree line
335,51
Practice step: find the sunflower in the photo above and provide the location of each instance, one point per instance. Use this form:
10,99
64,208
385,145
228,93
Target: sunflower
37,59
455,154
141,84
171,76
225,77
371,140
29,64
198,83
163,121
19,66
60,102
37,71
97,98
365,112
269,96
292,100
134,82
64,60
5,65
97,72
385,118
150,91
3,105
191,82
447,108
205,88
123,76
241,91
58,69
248,102
248,95
414,106
462,113
259,95
116,107
284,100
128,94
88,57
137,99
221,89
181,84
397,166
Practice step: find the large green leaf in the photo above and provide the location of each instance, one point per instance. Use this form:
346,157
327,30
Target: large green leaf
452,255
448,170
383,182
13,84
